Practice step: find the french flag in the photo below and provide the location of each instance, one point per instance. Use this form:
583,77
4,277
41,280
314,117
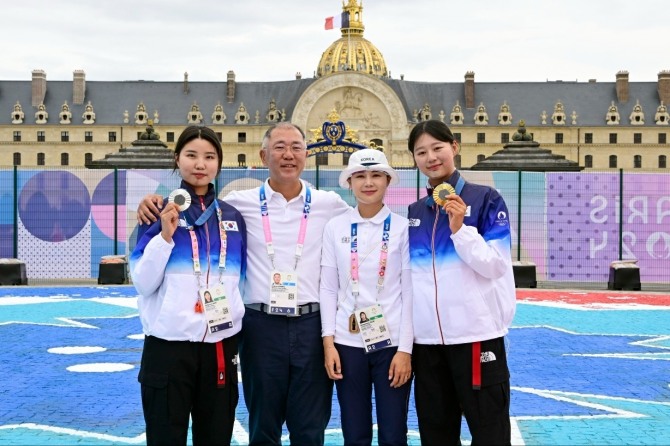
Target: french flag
337,21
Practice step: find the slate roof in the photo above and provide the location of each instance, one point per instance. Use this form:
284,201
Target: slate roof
526,100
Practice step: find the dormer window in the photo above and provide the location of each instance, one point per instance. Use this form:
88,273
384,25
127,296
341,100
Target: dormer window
505,116
558,117
612,116
481,117
637,116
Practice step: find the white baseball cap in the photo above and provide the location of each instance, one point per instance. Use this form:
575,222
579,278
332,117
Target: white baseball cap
367,159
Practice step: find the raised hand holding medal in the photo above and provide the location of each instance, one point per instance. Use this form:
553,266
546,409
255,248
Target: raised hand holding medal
181,198
441,192
445,196
178,201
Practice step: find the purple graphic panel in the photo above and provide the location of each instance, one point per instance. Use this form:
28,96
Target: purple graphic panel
585,233
54,205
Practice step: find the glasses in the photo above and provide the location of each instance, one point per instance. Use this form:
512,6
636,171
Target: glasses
296,149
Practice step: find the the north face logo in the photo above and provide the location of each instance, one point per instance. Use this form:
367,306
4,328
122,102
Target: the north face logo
487,357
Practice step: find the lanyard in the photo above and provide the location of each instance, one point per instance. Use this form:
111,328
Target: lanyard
383,254
222,235
265,216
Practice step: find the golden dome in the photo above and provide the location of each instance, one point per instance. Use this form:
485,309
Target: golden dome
352,52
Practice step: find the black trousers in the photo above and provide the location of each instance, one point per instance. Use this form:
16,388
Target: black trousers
179,379
443,392
284,379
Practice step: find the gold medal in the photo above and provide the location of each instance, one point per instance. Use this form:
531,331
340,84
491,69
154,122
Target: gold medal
441,192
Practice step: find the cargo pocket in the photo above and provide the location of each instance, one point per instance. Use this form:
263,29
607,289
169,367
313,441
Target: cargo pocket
493,403
154,395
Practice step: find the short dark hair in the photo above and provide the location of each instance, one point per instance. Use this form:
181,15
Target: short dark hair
197,131
437,129
280,125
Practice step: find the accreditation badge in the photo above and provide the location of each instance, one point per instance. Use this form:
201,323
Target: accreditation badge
284,293
374,331
217,308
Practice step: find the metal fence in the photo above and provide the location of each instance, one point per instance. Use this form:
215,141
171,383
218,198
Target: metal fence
60,222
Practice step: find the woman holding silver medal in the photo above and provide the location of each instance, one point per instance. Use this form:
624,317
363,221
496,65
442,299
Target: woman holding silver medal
188,268
366,305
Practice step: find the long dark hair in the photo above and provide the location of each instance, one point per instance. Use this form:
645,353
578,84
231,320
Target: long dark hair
197,131
437,129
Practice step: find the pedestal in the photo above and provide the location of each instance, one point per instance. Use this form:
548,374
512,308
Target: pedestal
524,275
12,272
624,276
113,271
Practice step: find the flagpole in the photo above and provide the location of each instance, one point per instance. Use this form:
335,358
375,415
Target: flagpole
349,38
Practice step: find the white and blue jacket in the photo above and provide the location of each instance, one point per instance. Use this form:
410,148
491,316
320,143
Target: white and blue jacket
463,283
163,273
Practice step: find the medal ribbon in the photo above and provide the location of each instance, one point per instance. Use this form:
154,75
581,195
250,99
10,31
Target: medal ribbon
267,231
383,255
459,185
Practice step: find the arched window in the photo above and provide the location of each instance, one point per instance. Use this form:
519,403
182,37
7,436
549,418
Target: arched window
40,159
637,161
613,161
64,159
481,158
241,160
88,157
588,161
17,159
662,162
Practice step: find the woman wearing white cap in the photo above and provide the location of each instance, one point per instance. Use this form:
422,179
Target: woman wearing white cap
366,305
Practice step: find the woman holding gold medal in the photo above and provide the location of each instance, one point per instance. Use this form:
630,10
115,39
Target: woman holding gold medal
464,297
188,267
366,305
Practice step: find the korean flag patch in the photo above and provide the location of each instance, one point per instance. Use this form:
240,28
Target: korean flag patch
229,225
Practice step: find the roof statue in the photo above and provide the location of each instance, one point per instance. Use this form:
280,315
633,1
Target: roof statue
520,134
149,134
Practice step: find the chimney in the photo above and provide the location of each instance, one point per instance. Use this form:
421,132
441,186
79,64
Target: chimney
664,86
230,84
185,82
470,89
39,89
79,87
622,86
298,76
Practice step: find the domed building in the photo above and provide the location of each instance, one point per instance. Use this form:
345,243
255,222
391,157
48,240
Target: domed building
352,52
600,125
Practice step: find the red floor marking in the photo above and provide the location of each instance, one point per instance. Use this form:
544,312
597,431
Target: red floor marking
594,297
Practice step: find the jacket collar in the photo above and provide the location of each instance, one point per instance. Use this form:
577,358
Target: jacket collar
208,198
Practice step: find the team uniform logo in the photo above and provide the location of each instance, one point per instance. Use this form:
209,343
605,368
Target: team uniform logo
229,225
